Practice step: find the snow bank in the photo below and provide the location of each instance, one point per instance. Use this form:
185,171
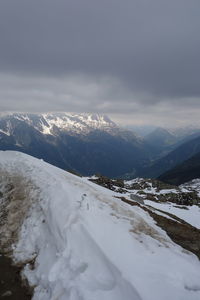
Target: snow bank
88,245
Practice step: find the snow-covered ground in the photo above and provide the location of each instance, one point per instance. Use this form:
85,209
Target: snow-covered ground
89,245
191,214
149,189
192,185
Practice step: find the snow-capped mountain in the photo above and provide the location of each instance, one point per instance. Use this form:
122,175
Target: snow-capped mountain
79,241
85,143
51,123
97,142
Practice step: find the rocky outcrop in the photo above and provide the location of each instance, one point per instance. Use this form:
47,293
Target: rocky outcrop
180,198
141,184
158,191
150,189
116,185
137,198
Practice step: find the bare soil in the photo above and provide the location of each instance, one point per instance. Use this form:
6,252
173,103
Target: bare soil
11,285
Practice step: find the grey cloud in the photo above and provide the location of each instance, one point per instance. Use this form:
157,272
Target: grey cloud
87,94
110,55
150,45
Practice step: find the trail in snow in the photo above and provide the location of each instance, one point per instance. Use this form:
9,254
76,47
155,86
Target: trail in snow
88,245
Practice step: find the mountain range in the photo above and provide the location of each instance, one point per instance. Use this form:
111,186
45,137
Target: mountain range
93,144
84,143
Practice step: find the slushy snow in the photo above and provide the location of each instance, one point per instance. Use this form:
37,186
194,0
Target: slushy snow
89,245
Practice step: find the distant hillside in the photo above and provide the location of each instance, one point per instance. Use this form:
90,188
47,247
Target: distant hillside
186,171
161,137
166,140
141,130
175,157
162,141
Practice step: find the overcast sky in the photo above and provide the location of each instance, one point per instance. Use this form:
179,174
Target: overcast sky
135,60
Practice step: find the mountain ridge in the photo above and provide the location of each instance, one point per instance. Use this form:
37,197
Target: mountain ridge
183,172
45,122
173,158
85,143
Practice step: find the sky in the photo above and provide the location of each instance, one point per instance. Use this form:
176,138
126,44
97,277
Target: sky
137,61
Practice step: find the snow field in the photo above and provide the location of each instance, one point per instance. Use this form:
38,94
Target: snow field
88,245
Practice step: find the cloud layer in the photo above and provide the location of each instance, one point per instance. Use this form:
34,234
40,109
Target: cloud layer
131,57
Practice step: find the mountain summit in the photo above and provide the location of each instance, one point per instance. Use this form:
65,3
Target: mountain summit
50,123
85,143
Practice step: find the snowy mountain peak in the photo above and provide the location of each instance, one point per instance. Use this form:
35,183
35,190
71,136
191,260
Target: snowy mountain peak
49,123
76,122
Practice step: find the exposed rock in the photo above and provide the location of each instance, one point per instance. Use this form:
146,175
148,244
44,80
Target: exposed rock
180,198
112,184
137,198
158,191
141,183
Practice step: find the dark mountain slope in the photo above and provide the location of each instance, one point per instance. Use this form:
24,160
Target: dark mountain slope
177,156
188,170
161,137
